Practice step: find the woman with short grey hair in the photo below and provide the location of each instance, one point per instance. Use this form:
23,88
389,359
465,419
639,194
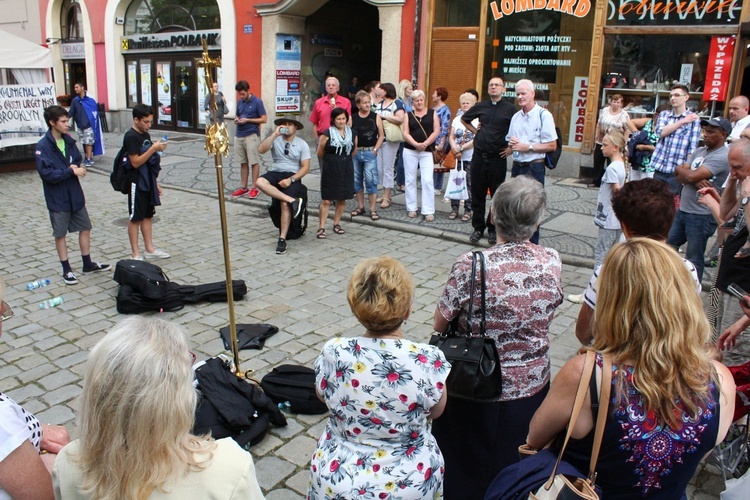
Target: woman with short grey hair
519,208
523,289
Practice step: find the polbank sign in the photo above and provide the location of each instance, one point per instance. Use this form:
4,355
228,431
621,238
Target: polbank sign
170,42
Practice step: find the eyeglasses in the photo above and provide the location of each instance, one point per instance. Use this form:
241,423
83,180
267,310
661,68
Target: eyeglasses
677,95
286,148
7,311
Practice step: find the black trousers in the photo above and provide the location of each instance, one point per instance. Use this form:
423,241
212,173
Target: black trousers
478,440
487,172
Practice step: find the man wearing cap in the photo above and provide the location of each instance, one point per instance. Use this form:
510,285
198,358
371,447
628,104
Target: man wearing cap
291,162
707,166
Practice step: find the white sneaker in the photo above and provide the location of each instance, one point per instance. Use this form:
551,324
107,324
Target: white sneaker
576,299
156,254
137,257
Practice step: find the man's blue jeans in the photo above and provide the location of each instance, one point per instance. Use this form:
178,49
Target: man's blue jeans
695,229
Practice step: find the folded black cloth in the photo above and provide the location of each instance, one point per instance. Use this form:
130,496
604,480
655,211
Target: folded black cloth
249,336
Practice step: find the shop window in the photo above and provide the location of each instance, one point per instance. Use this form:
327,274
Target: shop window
162,16
551,48
453,13
642,69
72,21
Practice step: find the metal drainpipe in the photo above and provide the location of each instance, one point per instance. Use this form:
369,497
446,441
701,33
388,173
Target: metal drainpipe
417,32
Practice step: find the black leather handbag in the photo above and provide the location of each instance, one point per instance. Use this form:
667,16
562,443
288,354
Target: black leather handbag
475,365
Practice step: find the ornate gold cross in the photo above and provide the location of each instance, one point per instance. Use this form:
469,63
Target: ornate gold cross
217,138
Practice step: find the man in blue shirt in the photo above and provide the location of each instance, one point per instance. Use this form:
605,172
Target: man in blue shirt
250,115
84,113
679,131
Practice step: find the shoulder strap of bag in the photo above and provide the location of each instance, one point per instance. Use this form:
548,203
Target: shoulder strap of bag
483,323
583,385
420,124
473,286
601,418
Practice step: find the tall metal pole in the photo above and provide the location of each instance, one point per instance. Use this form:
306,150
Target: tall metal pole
217,144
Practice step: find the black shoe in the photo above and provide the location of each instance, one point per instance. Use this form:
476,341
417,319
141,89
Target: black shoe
492,237
70,278
476,236
296,206
710,263
281,246
96,267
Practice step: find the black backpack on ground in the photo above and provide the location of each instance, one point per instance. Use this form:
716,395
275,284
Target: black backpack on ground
123,174
145,277
298,226
132,301
295,384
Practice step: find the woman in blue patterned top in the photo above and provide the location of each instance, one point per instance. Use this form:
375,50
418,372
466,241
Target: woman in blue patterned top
670,404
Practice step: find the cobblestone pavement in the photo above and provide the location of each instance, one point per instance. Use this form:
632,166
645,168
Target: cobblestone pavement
303,292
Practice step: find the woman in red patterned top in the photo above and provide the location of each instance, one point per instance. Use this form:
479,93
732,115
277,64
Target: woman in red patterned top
523,283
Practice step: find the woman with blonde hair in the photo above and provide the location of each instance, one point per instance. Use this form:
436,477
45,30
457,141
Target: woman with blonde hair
611,118
670,404
137,410
382,392
420,129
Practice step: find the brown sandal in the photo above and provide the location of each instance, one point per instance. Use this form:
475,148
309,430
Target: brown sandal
374,215
453,215
466,217
386,203
321,234
338,229
359,211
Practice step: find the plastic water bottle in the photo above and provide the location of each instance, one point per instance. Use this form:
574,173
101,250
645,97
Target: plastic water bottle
49,303
285,407
38,284
515,154
164,139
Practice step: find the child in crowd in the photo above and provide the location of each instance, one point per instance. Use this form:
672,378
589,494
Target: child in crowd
616,174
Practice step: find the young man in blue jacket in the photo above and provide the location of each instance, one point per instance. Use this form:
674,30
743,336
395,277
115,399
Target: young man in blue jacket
82,112
59,164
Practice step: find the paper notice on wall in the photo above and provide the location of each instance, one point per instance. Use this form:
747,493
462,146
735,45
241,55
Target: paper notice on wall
22,112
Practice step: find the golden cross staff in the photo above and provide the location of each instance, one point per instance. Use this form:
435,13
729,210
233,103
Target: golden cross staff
217,144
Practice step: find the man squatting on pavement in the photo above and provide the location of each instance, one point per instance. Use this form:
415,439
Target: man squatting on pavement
58,162
291,162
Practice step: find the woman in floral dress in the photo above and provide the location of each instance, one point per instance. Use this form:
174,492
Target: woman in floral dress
382,392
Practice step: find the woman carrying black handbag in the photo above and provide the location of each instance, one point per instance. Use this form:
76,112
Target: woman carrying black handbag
523,288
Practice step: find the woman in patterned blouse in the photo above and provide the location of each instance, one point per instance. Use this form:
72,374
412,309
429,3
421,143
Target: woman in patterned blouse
523,290
670,403
382,391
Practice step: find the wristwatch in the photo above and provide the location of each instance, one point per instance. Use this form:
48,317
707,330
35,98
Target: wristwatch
292,180
531,148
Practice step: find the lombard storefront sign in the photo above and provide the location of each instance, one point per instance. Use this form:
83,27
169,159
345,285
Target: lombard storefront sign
72,51
170,42
673,12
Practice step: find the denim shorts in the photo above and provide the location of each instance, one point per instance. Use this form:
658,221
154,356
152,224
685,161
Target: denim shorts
365,169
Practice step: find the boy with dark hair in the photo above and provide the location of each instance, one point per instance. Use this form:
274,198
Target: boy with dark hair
58,162
84,114
250,115
144,194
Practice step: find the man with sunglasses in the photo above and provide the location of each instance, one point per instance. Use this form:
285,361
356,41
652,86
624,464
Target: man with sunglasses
291,162
679,131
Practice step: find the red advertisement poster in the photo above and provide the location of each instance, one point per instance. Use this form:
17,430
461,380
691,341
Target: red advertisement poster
719,66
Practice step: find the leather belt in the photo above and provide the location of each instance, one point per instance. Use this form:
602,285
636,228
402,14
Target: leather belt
366,149
532,162
490,155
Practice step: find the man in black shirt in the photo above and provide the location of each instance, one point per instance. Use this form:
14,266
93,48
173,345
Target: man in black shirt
144,193
488,164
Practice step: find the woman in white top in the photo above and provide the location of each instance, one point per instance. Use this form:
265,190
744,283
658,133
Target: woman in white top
611,118
462,145
137,410
24,471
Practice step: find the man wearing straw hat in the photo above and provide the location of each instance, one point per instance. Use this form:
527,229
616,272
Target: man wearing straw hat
291,162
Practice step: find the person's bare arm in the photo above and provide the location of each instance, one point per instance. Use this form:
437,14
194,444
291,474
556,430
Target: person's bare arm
585,324
381,133
554,413
137,160
439,323
729,202
438,409
24,476
686,175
